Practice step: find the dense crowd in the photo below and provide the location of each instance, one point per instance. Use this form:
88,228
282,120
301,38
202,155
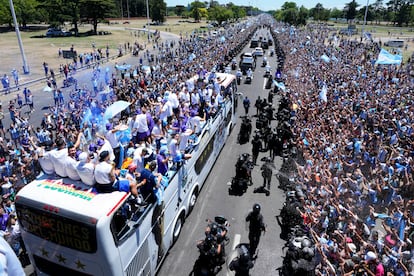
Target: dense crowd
353,123
77,139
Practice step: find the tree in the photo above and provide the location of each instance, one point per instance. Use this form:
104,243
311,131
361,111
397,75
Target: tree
302,16
179,9
96,10
335,13
157,10
351,11
5,14
220,14
196,12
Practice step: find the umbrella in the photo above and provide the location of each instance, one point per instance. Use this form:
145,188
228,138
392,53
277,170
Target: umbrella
47,89
115,108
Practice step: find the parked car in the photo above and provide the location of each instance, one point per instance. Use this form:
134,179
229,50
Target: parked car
52,32
348,31
258,51
394,43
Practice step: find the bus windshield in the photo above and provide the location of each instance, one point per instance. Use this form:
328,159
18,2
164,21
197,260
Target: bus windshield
57,228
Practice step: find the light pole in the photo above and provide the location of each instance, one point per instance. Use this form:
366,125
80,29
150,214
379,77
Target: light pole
19,39
365,19
148,22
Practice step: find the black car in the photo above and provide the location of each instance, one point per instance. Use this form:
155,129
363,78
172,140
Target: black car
264,45
254,43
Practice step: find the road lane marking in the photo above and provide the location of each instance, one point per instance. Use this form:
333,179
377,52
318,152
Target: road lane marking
233,254
236,241
264,83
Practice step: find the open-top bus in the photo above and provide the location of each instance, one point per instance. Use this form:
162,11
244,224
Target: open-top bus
70,230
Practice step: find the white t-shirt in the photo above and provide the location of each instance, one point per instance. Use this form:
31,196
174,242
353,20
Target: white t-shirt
71,170
45,161
112,138
107,146
142,123
174,100
58,158
138,160
173,148
102,172
166,111
86,173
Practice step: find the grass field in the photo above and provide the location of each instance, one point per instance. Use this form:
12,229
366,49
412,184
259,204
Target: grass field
39,50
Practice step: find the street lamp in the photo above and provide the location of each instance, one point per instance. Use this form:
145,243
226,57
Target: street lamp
365,19
148,21
19,39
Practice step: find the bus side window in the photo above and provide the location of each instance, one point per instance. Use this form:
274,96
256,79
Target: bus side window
120,223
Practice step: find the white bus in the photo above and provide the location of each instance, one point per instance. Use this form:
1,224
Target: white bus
69,230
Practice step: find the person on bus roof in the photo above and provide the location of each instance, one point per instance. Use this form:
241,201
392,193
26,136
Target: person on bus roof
148,181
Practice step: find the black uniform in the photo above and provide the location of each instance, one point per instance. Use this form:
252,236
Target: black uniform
256,226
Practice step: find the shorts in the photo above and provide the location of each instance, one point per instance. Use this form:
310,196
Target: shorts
123,185
141,136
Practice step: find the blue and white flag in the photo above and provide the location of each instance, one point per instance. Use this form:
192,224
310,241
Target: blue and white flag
385,57
325,58
323,95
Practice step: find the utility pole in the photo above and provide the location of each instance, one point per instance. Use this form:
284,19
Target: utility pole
19,39
148,22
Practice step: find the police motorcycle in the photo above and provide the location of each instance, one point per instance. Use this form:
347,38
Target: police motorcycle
264,62
268,70
245,130
243,178
249,76
239,76
212,248
240,260
272,52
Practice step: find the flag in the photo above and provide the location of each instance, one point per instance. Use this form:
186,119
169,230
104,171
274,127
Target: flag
323,95
325,58
385,57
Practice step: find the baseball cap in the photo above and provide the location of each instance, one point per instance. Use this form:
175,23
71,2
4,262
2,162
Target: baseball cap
370,256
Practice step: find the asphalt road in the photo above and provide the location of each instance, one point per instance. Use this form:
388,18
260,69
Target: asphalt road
215,200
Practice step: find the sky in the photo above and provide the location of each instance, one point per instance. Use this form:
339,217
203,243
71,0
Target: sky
275,4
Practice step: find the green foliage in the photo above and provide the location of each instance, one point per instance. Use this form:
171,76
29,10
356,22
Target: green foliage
196,10
336,13
319,13
96,10
157,10
220,14
351,10
5,14
291,14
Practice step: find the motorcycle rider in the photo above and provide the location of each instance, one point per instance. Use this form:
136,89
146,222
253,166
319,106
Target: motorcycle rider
210,248
256,227
250,73
239,75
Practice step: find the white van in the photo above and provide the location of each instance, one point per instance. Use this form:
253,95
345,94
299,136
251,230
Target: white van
394,43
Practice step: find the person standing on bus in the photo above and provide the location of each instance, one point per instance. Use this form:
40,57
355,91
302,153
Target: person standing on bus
58,157
148,181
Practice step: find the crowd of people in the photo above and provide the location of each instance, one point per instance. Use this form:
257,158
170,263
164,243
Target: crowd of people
353,123
133,150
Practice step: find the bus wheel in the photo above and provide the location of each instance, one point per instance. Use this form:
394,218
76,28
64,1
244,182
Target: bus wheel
177,228
193,200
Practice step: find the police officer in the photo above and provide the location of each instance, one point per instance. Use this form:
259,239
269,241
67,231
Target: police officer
256,227
246,105
256,145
